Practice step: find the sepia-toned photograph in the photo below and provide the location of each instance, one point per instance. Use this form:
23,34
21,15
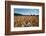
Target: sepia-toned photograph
26,17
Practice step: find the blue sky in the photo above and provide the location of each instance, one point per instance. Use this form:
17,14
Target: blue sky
24,11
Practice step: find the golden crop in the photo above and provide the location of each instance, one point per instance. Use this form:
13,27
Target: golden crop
25,19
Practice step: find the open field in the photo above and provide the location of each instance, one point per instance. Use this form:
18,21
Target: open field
26,21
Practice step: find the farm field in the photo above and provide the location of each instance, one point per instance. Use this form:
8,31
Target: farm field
26,21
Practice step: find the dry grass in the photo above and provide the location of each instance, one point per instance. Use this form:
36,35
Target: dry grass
26,19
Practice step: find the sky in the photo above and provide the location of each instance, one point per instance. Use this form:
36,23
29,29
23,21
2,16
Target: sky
24,11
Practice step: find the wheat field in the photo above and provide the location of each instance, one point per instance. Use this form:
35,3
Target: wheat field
26,21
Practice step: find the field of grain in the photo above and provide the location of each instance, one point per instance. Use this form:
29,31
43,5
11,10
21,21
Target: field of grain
26,21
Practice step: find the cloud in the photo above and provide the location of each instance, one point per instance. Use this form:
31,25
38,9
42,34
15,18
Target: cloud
26,11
